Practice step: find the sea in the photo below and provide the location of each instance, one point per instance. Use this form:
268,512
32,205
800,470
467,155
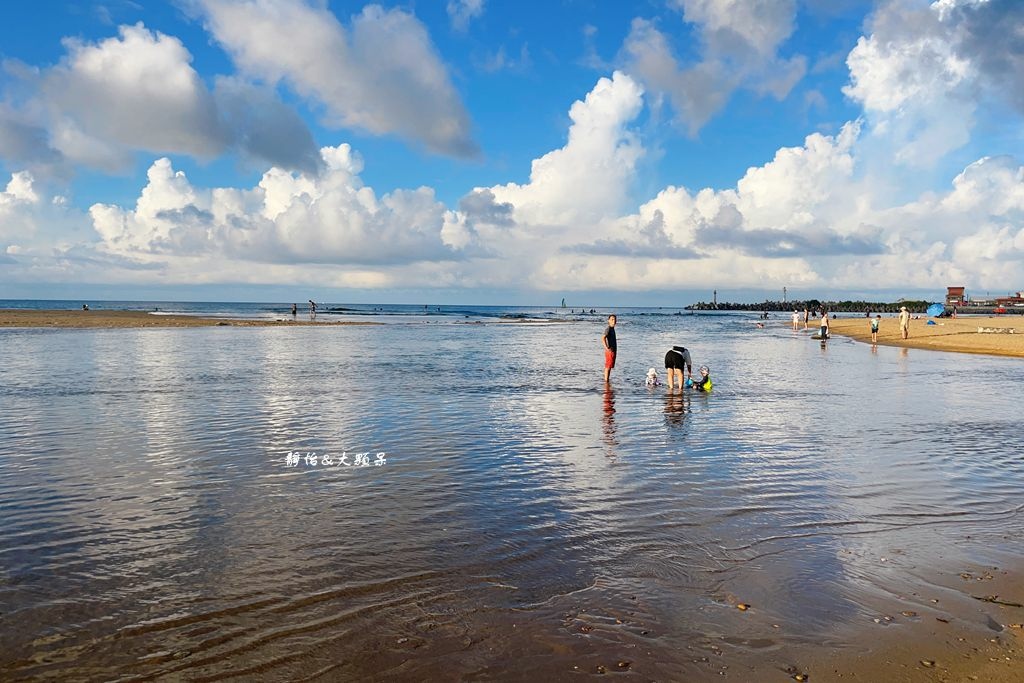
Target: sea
456,494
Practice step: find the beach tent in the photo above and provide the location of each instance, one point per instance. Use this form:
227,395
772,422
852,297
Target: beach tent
936,310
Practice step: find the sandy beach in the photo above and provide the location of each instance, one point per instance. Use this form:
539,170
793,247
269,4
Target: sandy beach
121,319
960,335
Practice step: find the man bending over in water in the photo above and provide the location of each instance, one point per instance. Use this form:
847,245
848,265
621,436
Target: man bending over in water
675,359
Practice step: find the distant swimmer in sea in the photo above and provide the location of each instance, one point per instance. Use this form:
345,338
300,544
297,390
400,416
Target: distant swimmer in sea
610,348
760,326
652,378
704,383
676,359
85,307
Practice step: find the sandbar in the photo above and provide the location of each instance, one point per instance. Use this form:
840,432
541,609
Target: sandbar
960,335
119,319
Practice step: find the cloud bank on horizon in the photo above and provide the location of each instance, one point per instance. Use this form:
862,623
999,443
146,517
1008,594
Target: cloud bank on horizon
844,209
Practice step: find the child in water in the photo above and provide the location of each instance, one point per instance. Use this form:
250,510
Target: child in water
652,378
704,383
874,328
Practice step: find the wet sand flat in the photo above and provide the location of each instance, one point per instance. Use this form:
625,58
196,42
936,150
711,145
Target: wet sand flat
129,319
960,335
966,628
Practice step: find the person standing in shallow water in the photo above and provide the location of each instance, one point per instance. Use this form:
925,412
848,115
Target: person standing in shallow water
610,348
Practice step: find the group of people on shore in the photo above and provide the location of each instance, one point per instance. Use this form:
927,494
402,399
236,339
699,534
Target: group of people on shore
904,319
821,313
823,333
676,359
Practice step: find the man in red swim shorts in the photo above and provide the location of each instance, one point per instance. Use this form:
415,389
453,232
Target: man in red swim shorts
609,348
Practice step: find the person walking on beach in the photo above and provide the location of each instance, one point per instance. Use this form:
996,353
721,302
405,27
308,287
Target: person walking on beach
874,327
904,322
312,308
295,310
824,325
676,359
610,347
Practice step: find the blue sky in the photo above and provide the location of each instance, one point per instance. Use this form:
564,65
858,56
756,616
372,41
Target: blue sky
508,152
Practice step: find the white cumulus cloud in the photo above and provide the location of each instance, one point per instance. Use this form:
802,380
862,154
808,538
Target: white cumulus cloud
739,48
382,73
590,176
33,221
913,85
461,12
287,218
17,208
20,189
739,25
138,89
924,73
105,100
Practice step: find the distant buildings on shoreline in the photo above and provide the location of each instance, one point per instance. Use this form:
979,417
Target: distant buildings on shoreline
957,296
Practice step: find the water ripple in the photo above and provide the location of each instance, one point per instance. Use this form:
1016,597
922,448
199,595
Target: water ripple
153,529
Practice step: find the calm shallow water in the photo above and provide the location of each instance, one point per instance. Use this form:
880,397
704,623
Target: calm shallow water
525,521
